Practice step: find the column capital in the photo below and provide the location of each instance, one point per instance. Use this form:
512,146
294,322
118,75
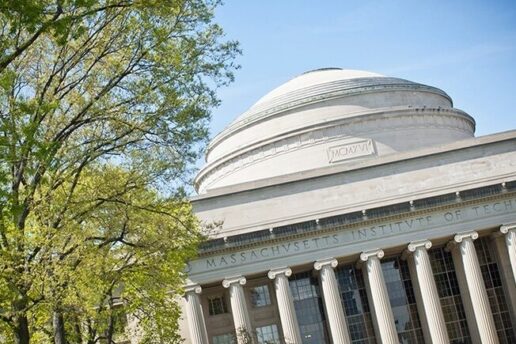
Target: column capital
332,262
459,237
193,288
241,280
509,232
414,245
506,228
279,271
364,256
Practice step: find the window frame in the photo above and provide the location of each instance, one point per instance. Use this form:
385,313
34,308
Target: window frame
268,296
274,331
211,305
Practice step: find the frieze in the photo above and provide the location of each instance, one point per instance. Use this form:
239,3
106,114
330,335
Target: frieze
419,222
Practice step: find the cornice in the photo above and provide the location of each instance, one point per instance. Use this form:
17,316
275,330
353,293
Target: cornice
366,222
390,200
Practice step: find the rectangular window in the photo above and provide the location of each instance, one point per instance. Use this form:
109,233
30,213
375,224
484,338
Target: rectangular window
403,301
227,338
309,308
449,293
268,334
217,305
260,296
355,303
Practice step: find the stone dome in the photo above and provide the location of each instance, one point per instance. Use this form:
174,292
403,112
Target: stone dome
330,116
313,78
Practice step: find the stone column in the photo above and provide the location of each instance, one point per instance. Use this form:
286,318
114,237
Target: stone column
332,301
286,305
510,242
428,302
195,315
473,291
241,318
383,319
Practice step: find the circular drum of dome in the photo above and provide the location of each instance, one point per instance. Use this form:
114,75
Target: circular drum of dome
330,116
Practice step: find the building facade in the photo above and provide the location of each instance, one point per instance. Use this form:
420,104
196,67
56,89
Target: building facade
350,207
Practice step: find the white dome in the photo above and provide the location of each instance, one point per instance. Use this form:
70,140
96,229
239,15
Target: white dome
313,78
330,116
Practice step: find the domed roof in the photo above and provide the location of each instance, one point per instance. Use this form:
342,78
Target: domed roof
313,78
305,86
330,116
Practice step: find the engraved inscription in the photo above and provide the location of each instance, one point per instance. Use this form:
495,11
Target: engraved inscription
350,151
439,219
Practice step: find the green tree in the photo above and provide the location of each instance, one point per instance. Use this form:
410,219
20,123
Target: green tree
104,108
129,249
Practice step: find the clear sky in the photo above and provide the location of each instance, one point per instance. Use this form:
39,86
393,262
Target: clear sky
466,48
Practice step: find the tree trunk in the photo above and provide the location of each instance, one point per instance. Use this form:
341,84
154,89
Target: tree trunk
59,328
91,333
78,331
21,330
109,332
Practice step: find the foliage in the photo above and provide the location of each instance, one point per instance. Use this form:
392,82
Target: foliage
104,108
243,336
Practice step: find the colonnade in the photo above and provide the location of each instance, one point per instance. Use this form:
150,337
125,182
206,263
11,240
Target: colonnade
471,284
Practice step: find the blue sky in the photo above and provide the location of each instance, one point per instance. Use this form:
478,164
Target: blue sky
466,48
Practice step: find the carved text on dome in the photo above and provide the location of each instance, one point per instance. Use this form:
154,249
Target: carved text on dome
350,151
406,118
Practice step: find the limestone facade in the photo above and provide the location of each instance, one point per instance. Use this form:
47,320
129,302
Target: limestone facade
349,207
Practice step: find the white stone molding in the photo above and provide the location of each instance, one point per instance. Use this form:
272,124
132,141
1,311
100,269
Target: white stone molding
478,311
332,300
509,232
238,302
194,315
428,302
303,97
398,118
286,308
383,319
